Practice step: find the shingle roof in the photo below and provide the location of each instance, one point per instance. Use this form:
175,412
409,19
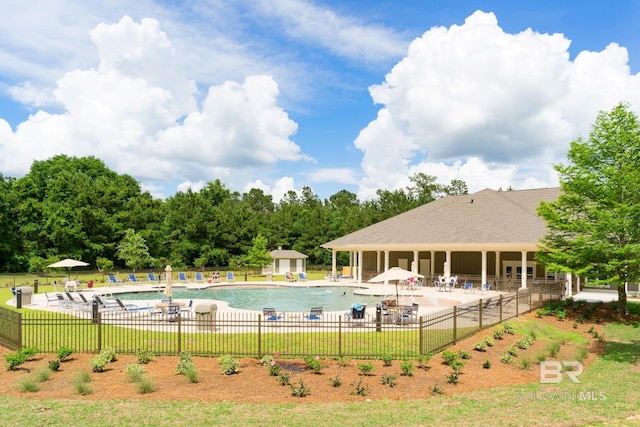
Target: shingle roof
287,253
487,217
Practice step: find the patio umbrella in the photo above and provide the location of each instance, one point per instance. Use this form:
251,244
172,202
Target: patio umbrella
394,274
68,263
168,291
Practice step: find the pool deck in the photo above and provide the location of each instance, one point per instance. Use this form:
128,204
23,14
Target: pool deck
428,298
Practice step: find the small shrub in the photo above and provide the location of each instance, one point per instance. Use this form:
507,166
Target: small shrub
146,386
336,381
14,360
541,357
464,354
284,378
184,365
274,368
301,390
436,389
64,352
506,358
541,312
82,388
134,373
449,355
407,368
522,344
498,334
83,376
388,379
488,341
387,359
457,366
28,352
344,361
575,325
480,346
508,328
512,350
192,374
561,315
29,386
452,378
228,366
144,356
486,364
554,348
266,360
423,361
525,363
54,365
600,337
313,363
110,354
366,368
43,375
99,363
360,389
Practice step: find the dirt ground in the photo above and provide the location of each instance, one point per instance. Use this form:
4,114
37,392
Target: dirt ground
254,384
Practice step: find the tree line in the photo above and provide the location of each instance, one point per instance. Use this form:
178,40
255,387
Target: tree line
70,207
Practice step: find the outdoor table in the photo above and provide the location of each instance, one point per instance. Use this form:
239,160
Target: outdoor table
164,306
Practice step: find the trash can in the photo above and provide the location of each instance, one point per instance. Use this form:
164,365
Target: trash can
269,276
24,295
35,286
206,317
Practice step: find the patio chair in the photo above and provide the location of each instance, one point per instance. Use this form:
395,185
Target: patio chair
154,311
108,306
85,302
230,276
173,312
468,287
314,314
199,277
112,280
132,277
407,314
182,277
152,277
187,308
62,302
74,302
302,276
357,312
270,314
485,287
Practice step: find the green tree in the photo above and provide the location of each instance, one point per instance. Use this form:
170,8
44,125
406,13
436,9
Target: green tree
594,225
258,255
133,250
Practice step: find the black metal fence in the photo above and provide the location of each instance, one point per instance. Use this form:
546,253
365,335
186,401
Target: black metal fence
252,335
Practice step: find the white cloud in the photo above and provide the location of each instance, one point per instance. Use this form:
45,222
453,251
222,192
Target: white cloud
337,175
471,101
138,111
341,34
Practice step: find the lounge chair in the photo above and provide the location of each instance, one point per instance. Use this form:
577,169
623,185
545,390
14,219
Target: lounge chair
132,277
75,302
50,298
314,314
154,311
270,314
152,277
85,302
105,305
112,280
199,277
62,302
130,308
485,287
230,276
302,276
182,277
468,287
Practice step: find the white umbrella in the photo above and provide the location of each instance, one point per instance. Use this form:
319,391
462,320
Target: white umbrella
68,263
394,274
168,291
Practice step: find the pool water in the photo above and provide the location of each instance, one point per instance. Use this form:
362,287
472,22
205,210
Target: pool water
291,299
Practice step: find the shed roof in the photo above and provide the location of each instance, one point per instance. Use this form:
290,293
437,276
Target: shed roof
287,253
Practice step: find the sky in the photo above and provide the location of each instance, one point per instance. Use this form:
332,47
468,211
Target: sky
333,95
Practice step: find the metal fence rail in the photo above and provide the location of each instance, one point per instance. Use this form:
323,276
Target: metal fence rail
251,335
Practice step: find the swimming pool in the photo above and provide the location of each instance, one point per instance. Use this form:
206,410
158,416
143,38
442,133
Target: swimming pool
291,299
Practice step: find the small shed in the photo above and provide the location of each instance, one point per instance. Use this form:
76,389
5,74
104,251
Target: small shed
288,260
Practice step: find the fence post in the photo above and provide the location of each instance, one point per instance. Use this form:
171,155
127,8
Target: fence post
421,338
19,328
260,335
480,314
455,323
98,323
179,333
340,335
517,302
501,303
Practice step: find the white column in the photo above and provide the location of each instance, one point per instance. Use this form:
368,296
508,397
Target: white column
415,262
360,266
578,285
351,258
378,261
569,286
498,265
386,263
447,272
484,268
432,264
524,270
333,262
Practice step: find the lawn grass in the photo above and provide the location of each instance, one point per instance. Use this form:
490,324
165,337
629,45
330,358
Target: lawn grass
607,395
